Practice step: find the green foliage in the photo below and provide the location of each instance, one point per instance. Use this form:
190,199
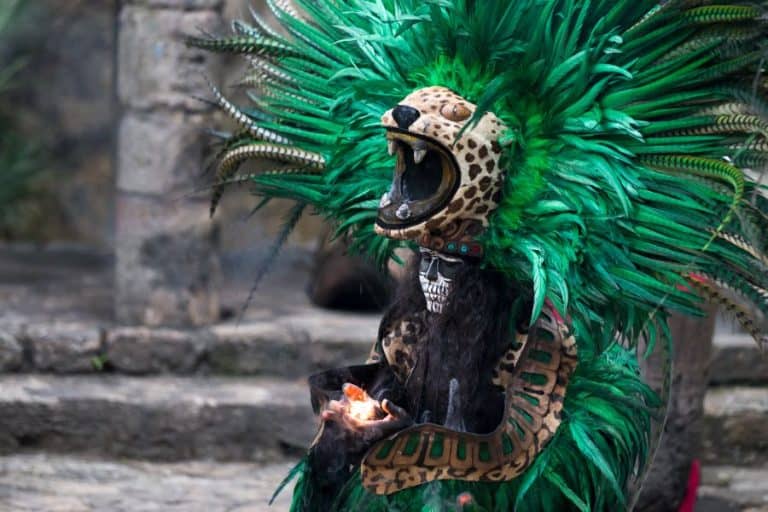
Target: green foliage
19,159
8,10
99,362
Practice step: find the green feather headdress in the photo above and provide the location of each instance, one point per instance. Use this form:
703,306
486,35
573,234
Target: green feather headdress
630,126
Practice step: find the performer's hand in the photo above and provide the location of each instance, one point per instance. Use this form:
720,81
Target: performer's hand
363,419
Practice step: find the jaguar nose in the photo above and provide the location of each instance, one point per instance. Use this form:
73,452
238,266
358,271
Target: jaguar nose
405,116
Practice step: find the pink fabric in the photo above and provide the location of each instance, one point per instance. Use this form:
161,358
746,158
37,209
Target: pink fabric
555,313
692,277
694,479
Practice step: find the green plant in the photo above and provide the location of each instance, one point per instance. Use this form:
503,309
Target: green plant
99,362
8,11
19,158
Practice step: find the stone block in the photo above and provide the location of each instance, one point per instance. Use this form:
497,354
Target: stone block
665,483
739,364
167,267
138,350
63,348
156,69
295,346
157,418
263,348
11,353
161,153
139,217
734,489
734,426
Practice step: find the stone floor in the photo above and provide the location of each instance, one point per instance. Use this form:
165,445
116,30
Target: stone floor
731,489
44,483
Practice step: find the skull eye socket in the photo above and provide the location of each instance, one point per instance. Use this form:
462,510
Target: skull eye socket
447,267
426,261
456,112
450,268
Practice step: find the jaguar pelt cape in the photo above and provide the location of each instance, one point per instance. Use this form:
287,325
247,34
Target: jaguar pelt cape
566,174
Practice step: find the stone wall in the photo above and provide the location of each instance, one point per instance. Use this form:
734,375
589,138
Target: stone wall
65,102
166,249
68,102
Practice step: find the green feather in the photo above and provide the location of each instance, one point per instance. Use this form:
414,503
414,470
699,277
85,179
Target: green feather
629,124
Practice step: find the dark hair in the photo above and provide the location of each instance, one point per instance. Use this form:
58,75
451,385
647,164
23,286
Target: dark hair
464,342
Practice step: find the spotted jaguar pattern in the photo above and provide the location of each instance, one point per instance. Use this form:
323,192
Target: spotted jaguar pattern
397,345
443,115
503,373
535,392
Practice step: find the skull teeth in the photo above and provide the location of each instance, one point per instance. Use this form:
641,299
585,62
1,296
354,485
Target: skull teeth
419,155
434,307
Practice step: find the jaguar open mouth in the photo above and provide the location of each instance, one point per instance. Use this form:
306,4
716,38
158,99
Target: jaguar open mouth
426,178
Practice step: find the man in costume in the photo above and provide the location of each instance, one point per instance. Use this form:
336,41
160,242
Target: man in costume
566,172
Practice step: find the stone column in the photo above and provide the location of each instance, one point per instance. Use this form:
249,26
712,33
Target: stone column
167,269
665,487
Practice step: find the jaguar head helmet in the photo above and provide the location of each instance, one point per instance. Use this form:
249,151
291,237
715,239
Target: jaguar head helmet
446,182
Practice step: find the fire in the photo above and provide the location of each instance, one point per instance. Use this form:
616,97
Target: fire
360,405
363,409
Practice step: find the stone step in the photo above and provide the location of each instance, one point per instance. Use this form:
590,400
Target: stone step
156,418
735,426
736,360
733,489
292,345
173,418
56,483
289,346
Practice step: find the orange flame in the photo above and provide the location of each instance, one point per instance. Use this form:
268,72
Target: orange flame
363,409
361,406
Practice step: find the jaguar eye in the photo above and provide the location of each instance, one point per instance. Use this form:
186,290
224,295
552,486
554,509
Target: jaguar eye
456,112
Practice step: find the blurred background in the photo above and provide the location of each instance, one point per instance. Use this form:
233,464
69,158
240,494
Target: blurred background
132,376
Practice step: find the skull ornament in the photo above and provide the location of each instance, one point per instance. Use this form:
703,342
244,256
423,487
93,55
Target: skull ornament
436,274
